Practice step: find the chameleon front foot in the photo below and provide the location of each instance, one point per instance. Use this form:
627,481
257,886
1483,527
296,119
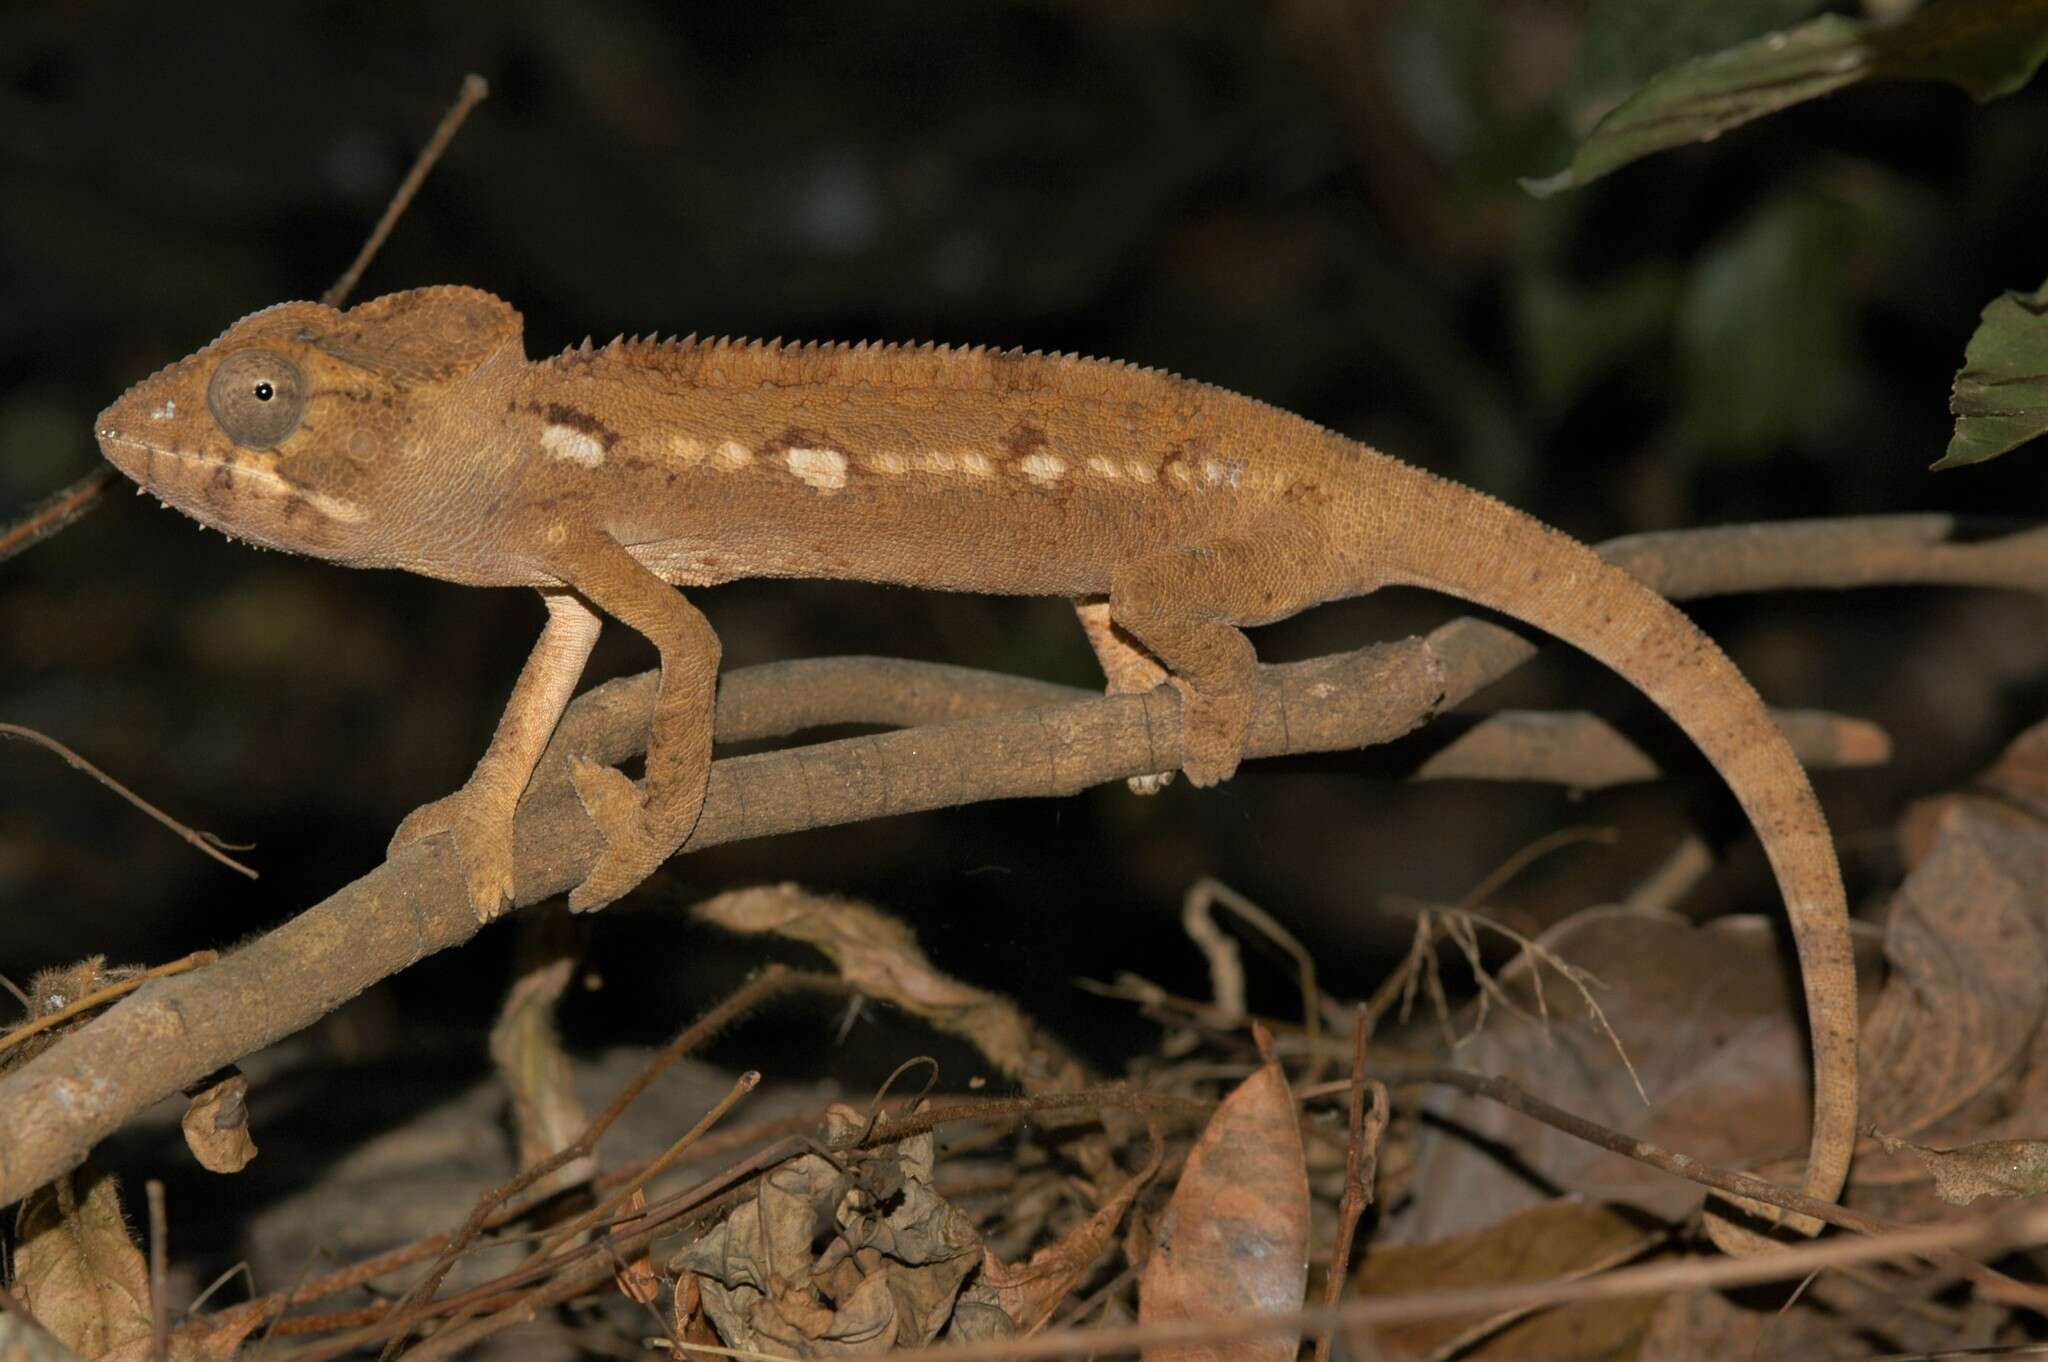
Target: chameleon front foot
637,838
482,831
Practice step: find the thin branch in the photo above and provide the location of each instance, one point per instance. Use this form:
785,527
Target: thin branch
205,841
1361,1168
56,512
474,89
99,996
56,1106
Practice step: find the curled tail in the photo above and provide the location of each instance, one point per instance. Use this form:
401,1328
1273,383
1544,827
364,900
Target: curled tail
1412,528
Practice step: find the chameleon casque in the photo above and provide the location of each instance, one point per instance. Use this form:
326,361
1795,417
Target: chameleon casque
413,432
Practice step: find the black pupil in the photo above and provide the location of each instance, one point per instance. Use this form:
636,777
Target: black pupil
264,391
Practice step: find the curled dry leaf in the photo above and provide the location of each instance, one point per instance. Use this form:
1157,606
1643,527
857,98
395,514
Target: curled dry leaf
1557,1240
527,1050
880,956
1233,1240
823,1262
1028,1293
216,1124
637,1279
76,1269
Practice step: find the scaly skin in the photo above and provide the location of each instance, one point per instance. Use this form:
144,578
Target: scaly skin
412,432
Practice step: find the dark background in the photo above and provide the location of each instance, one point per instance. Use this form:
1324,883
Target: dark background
1312,202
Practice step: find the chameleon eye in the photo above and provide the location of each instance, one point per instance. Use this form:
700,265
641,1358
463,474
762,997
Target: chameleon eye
257,398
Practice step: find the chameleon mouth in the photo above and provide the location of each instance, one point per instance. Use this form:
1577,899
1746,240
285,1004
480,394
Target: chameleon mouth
200,469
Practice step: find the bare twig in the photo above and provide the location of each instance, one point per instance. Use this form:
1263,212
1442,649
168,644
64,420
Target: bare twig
205,841
771,981
53,1108
100,996
474,89
1361,1166
1227,979
55,512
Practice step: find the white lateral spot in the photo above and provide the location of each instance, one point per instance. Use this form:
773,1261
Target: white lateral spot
977,465
1103,468
688,451
1223,472
890,463
733,454
566,442
1141,471
1043,468
934,462
166,411
824,469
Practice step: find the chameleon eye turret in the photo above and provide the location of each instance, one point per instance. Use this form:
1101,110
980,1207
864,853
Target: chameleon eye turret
257,397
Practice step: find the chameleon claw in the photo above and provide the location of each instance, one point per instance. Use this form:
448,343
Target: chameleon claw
634,846
483,845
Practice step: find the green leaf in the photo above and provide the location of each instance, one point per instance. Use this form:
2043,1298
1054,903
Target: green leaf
1625,42
1766,328
1988,47
2000,400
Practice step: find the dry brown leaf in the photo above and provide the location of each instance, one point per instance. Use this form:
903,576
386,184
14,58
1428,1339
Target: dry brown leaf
821,1262
880,956
1967,939
546,1112
1997,1168
1234,1239
75,1267
1712,1020
1556,1240
216,1124
1029,1292
21,1341
217,1343
638,1281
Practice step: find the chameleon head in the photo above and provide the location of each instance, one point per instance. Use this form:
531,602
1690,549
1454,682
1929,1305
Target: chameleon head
303,428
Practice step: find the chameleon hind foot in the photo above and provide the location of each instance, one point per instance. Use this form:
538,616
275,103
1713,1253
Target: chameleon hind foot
1213,730
482,832
636,839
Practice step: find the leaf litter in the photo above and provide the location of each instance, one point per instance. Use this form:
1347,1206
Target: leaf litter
1207,1183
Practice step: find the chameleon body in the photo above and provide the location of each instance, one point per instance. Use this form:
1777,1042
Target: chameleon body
413,432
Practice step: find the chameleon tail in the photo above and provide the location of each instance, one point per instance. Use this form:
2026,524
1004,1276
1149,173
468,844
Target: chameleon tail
1416,529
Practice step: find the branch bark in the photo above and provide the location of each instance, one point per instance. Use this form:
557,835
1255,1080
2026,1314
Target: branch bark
974,737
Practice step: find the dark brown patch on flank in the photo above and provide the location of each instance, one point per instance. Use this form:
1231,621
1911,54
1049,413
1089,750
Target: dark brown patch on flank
1024,440
796,437
580,421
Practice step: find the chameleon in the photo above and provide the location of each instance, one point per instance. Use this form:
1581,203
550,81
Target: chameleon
413,432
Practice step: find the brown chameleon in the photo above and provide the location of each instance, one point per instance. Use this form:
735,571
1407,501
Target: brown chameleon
413,432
